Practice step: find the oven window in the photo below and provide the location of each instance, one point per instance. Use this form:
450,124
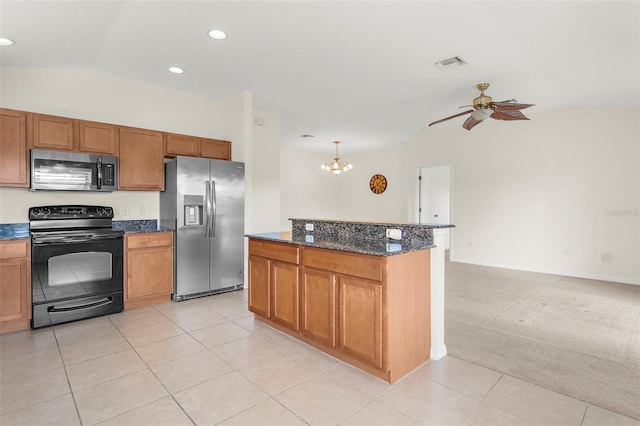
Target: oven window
79,268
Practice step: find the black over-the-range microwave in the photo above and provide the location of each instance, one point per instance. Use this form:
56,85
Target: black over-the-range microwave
73,171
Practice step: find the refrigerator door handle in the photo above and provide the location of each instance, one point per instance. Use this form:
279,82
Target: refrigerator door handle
207,209
214,210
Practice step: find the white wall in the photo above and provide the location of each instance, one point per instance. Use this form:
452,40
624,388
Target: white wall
550,195
359,203
307,191
265,173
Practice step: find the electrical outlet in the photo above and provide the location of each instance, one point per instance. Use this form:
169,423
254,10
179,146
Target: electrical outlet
606,257
308,238
565,251
308,227
125,211
395,234
141,211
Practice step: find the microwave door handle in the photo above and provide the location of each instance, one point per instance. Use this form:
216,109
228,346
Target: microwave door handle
99,169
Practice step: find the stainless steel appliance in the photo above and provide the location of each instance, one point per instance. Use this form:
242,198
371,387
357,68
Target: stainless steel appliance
72,171
203,202
76,263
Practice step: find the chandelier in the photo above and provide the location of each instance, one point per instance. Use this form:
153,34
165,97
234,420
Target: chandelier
337,166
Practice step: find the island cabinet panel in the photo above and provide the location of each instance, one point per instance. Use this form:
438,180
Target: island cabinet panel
274,282
148,265
358,265
319,306
14,158
259,286
360,316
285,303
141,160
51,132
15,285
99,138
370,311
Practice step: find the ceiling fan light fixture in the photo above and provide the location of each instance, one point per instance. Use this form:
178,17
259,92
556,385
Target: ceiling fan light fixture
482,113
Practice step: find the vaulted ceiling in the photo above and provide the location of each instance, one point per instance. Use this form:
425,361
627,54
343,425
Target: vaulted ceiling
357,71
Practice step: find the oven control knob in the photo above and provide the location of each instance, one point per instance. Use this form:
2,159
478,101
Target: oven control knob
42,211
104,211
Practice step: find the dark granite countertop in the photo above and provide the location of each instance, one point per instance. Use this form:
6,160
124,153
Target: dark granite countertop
18,231
139,226
380,247
14,231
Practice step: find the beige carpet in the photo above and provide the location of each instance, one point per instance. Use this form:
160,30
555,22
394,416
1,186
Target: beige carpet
574,336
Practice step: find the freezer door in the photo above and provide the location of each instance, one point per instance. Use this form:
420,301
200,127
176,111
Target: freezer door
227,224
192,245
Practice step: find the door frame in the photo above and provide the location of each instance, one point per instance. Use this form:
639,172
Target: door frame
417,197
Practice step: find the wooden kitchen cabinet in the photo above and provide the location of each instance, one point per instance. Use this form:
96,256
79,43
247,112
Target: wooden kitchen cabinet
52,132
214,148
274,288
99,138
373,312
360,319
196,147
15,285
14,158
319,306
148,265
181,145
141,165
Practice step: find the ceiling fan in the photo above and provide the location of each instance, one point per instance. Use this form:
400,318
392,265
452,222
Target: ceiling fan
484,107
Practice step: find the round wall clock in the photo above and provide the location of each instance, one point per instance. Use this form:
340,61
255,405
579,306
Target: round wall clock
378,184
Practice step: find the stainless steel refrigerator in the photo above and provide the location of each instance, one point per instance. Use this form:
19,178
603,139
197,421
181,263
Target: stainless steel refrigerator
203,202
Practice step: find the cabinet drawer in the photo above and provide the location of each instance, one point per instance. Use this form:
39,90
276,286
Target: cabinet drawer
153,239
277,251
357,265
14,249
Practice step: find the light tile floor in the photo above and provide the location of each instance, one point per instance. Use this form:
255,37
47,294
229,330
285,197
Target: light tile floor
207,362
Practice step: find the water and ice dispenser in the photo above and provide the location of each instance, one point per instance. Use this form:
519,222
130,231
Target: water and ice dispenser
193,205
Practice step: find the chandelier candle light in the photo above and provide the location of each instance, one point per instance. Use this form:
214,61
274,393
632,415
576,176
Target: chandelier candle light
337,166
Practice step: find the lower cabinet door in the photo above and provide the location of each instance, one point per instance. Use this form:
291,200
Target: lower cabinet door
285,290
360,319
259,297
319,305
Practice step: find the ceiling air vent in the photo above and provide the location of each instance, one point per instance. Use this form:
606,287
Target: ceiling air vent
454,62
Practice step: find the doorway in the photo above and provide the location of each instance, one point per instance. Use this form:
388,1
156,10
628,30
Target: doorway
434,196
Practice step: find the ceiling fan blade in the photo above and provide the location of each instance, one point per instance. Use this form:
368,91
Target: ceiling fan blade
470,123
449,118
510,105
508,114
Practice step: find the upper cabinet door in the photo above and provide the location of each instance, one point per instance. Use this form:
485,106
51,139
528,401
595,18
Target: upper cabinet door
14,162
141,165
51,132
101,138
214,148
182,145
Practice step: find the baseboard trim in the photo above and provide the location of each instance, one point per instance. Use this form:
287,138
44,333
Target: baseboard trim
437,353
615,279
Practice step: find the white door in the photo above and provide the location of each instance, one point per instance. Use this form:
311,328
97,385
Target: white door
434,196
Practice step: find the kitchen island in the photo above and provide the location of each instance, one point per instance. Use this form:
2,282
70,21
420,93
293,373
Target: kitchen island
349,290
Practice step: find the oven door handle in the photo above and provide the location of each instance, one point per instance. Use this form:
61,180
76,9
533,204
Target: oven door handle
66,308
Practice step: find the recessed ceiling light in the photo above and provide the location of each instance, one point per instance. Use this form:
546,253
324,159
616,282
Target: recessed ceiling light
217,34
6,41
176,70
